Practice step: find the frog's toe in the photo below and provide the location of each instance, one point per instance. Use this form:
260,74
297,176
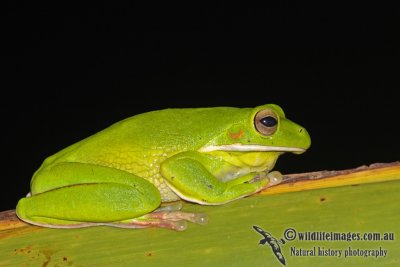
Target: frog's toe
274,178
168,216
198,218
171,211
180,225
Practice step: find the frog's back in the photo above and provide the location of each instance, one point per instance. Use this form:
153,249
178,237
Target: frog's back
174,127
150,136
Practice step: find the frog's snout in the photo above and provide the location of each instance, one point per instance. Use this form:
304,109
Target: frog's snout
304,140
300,139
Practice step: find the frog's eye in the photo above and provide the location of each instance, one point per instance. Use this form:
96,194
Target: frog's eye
266,122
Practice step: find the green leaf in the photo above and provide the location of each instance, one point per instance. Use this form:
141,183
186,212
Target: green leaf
229,238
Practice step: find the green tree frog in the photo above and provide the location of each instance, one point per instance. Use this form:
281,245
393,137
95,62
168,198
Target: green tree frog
121,175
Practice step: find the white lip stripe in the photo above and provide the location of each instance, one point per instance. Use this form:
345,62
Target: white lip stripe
240,147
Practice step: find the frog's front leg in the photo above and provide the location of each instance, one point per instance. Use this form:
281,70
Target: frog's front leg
72,195
189,175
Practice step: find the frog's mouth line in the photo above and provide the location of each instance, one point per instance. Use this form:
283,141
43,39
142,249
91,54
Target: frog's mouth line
249,148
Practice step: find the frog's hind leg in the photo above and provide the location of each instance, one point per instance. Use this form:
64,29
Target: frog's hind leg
74,195
85,205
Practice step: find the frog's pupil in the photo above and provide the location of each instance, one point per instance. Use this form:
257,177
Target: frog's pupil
269,121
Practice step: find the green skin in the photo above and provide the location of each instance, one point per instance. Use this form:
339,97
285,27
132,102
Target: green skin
121,174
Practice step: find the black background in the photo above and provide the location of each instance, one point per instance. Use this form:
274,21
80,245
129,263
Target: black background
72,70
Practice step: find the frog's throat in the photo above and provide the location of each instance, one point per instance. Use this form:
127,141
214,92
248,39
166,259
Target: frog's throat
256,148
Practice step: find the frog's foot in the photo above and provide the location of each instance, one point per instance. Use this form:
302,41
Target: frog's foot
273,177
169,216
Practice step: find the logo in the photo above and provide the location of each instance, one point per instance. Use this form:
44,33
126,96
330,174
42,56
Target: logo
272,242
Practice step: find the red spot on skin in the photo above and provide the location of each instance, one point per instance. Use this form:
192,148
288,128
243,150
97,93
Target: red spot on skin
236,135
